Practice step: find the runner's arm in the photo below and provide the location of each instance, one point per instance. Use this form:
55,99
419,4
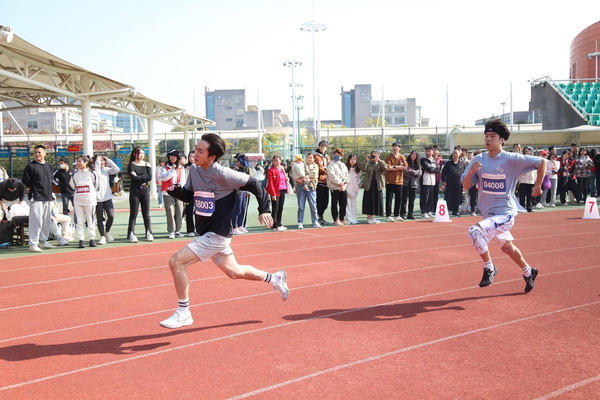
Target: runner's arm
253,186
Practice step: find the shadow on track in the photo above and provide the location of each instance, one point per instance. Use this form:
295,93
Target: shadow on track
118,345
391,311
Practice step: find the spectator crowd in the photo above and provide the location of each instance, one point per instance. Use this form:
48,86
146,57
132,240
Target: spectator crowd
328,182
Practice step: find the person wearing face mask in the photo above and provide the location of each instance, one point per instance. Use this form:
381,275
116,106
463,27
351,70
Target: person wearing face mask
12,191
337,180
62,178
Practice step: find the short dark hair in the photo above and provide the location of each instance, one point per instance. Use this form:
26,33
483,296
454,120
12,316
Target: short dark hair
64,160
323,142
11,183
216,145
498,126
40,146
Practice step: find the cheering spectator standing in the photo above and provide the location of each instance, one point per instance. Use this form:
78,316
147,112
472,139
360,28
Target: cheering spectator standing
85,184
140,173
322,160
583,166
277,187
396,164
354,184
106,170
337,179
172,174
411,179
62,178
38,177
373,185
428,181
451,181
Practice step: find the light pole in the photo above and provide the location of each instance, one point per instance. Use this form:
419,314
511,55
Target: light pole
293,64
298,108
312,27
596,55
503,117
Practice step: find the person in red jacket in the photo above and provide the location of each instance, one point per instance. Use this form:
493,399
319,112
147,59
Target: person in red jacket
277,185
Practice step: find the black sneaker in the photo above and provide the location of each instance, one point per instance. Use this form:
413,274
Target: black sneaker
92,243
81,245
529,280
488,277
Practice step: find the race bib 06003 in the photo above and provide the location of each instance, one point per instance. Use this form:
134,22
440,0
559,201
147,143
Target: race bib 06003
494,184
204,203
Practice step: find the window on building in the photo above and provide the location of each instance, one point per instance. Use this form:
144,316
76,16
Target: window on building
239,123
228,119
228,108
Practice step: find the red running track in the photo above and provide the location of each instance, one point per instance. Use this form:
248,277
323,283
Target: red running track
375,311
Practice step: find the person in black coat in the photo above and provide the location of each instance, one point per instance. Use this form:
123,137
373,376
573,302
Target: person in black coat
452,183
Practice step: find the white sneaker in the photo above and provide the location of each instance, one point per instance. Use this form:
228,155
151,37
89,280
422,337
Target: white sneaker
109,237
178,235
236,231
102,240
280,228
149,237
191,234
244,230
62,241
539,205
35,249
372,221
316,225
390,219
398,219
46,245
473,214
279,282
337,222
300,226
171,235
552,205
178,319
133,238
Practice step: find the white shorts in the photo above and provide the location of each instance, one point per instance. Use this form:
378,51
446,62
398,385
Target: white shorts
211,245
498,227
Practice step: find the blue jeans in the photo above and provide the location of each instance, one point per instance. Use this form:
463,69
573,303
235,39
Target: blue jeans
239,210
303,195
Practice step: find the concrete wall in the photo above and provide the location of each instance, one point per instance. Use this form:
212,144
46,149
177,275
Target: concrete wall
556,112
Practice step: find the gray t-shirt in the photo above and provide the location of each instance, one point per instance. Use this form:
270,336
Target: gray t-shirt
497,180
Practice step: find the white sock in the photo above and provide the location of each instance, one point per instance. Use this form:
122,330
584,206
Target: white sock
184,304
527,271
488,265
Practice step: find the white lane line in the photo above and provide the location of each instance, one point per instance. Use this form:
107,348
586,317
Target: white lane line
569,388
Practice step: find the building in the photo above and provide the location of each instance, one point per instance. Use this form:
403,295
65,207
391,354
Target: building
520,118
356,106
226,108
584,54
398,112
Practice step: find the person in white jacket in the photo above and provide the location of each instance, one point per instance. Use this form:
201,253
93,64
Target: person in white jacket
173,174
104,168
337,179
85,183
354,183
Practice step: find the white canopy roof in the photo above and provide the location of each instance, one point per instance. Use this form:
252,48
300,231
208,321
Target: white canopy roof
32,77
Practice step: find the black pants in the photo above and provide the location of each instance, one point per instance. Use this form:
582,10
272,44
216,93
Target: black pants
137,199
525,190
583,186
434,198
426,200
453,197
110,215
340,197
473,193
189,217
322,199
277,206
392,191
65,202
408,196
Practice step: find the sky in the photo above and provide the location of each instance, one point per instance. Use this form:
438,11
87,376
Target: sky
172,50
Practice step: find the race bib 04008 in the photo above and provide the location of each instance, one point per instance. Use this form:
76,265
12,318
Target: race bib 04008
493,184
204,203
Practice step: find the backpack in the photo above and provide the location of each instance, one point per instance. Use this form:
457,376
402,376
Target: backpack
6,231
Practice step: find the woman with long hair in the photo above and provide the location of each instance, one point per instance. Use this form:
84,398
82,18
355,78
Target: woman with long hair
140,173
373,184
172,174
277,187
583,171
354,184
412,177
85,184
105,168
